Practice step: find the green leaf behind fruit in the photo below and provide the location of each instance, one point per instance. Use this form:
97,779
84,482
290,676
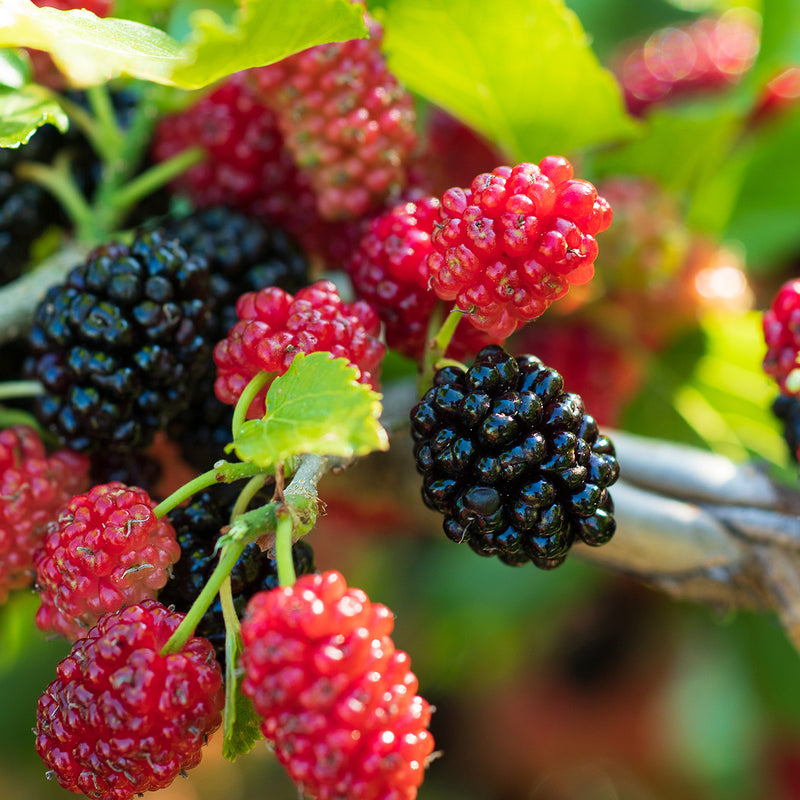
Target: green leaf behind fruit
241,725
263,32
24,110
92,50
521,72
316,406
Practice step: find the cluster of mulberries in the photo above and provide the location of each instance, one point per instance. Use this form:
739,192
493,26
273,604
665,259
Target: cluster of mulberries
121,343
513,461
243,255
389,270
347,121
312,159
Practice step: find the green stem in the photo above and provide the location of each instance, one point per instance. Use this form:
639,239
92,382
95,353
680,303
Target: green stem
223,472
80,117
11,389
16,416
60,183
250,391
233,627
110,137
283,549
229,615
439,336
154,178
297,513
445,335
251,489
228,557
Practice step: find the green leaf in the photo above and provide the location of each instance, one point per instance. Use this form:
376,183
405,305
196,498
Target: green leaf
678,146
521,72
92,50
265,31
780,36
15,68
716,397
317,406
24,110
241,727
765,218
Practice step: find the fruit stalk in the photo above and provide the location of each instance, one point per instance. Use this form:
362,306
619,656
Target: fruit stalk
295,515
225,472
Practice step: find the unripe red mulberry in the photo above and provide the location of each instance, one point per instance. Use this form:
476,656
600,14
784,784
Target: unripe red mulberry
33,486
338,701
106,551
347,120
514,241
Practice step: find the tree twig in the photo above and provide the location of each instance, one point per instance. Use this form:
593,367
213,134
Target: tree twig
693,524
18,299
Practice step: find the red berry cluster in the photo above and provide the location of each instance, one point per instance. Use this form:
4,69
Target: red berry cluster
781,324
389,271
246,166
274,326
106,551
33,486
347,120
338,701
121,718
514,241
707,55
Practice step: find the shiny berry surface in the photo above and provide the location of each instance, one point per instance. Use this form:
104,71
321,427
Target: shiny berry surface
121,718
106,550
339,702
273,326
514,241
513,461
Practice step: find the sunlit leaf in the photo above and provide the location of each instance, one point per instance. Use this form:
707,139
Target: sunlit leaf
318,407
521,72
241,724
24,110
91,50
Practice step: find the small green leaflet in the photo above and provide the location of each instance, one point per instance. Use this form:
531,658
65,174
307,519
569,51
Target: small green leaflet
318,407
24,110
241,727
91,50
521,72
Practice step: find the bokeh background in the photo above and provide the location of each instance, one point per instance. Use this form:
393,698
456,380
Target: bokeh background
581,684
